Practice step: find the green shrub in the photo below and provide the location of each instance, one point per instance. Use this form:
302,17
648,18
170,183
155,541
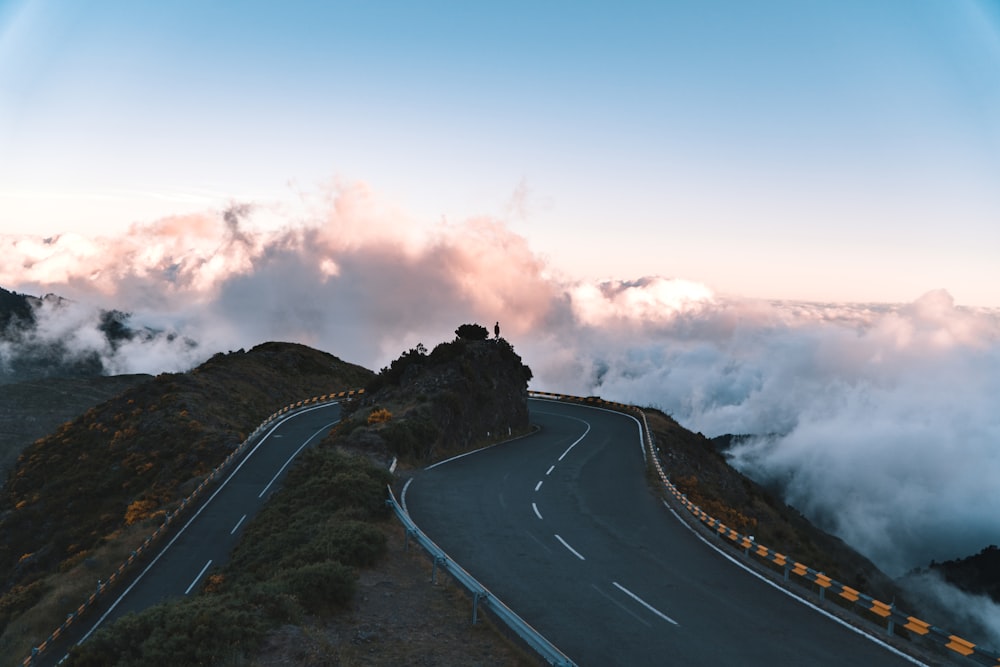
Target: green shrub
321,588
411,439
195,631
356,488
393,373
19,599
472,332
354,543
302,523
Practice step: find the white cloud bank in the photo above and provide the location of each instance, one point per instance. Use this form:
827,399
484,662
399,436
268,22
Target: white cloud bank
880,421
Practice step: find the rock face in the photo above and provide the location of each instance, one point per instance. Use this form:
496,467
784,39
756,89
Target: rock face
462,395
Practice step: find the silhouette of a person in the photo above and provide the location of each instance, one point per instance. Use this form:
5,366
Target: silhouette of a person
496,330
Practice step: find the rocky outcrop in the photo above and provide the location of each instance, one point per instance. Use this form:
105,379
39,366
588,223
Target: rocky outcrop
424,407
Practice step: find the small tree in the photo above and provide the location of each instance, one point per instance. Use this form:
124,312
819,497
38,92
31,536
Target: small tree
472,332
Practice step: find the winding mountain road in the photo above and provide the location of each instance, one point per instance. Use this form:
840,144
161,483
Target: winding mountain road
562,527
205,538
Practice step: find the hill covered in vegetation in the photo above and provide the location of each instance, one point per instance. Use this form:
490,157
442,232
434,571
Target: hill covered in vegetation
26,353
84,495
426,406
698,467
296,573
978,574
15,309
296,570
31,409
23,356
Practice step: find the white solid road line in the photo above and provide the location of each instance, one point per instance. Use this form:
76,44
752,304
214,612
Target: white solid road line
571,549
242,518
192,519
292,458
207,565
458,456
644,603
537,513
563,455
642,445
792,595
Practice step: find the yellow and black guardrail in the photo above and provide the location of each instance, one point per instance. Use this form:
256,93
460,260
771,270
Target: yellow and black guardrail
104,586
892,616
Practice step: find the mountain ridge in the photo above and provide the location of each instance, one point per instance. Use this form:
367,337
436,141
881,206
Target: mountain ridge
125,462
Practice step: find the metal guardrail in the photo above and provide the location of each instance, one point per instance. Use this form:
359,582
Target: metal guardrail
891,615
480,594
117,575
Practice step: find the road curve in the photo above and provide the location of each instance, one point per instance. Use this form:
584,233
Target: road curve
563,528
208,532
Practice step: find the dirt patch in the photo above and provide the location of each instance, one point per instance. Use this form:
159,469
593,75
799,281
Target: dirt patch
398,617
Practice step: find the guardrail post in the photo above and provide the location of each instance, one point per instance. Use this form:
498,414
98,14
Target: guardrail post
434,568
406,540
892,624
787,568
476,596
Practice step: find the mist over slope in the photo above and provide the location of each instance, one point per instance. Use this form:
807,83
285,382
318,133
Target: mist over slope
879,421
54,337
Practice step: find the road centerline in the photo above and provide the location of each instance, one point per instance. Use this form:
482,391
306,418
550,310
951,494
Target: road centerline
538,486
537,513
621,606
571,549
242,519
563,455
644,603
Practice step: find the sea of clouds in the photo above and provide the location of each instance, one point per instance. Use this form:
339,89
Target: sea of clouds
880,422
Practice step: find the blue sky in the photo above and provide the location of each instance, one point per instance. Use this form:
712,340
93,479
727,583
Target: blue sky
844,150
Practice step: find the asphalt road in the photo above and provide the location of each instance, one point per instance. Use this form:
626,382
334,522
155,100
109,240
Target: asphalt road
562,527
209,531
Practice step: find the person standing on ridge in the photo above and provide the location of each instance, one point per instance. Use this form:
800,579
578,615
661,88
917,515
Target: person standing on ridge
496,330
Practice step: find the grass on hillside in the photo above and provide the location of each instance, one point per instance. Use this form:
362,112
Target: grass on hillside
299,557
699,471
32,409
133,458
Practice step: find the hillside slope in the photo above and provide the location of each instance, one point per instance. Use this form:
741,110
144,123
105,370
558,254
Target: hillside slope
977,574
35,408
422,408
136,456
53,337
699,469
289,589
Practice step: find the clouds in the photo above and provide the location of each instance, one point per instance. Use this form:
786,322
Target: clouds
352,276
878,421
977,615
